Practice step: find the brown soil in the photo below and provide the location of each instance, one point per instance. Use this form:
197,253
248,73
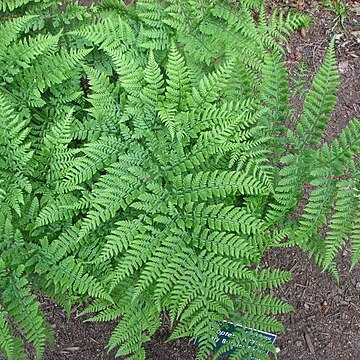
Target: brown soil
326,321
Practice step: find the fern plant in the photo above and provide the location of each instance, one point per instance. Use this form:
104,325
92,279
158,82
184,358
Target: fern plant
145,163
168,222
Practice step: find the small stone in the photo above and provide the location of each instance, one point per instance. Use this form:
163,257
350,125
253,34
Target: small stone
303,32
357,286
343,66
298,343
337,37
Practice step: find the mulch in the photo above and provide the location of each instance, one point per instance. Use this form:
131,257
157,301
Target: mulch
326,321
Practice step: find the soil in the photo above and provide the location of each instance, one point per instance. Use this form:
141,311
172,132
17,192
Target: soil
326,321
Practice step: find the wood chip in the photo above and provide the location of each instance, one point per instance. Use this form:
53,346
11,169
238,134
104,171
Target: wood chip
355,306
73,348
293,267
309,343
343,66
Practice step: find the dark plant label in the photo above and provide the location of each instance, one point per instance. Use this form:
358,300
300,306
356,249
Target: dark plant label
228,330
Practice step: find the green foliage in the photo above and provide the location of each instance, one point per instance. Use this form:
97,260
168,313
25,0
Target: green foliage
145,162
340,9
38,90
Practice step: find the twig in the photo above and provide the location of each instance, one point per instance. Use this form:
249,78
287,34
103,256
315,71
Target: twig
309,343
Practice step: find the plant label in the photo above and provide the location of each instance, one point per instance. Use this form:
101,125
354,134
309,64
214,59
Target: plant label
228,329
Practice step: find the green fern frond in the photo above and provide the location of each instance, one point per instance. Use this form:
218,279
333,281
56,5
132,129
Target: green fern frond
289,186
10,30
293,21
129,333
211,85
52,69
7,341
151,94
268,279
154,32
319,101
342,221
144,163
70,275
130,72
177,82
13,4
355,248
266,305
275,87
346,146
318,205
101,33
120,238
24,310
96,156
21,54
16,155
57,210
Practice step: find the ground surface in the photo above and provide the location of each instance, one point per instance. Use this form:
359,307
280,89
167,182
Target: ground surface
326,324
